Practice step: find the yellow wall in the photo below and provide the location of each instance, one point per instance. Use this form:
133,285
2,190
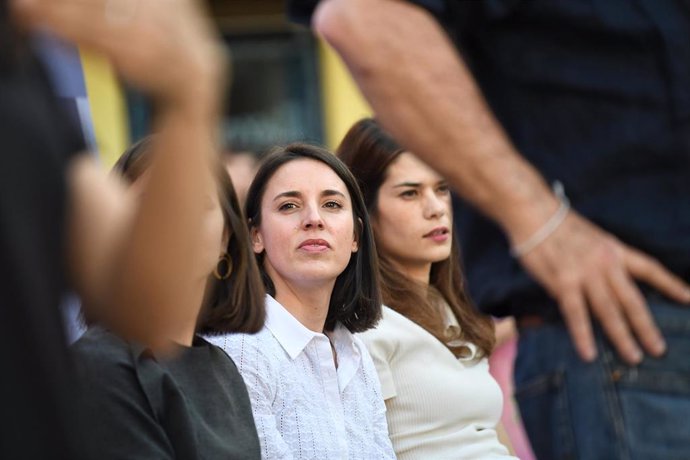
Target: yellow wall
108,107
343,104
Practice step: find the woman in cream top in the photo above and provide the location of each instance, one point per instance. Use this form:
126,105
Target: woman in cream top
431,347
438,406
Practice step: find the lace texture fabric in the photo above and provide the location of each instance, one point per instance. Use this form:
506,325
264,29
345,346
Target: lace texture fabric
303,407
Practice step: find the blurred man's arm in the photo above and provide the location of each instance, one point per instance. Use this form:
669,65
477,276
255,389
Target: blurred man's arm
132,260
423,93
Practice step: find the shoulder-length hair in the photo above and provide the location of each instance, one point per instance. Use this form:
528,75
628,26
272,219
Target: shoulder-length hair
368,151
356,299
235,304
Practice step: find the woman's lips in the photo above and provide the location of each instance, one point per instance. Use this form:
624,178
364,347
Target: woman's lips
438,235
314,245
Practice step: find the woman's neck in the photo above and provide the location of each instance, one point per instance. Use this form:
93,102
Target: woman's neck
416,272
184,335
308,304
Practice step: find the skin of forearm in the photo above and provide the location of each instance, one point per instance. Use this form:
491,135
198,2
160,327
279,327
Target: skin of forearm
132,255
423,93
152,273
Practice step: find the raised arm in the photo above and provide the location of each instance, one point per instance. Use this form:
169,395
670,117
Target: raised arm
132,263
423,93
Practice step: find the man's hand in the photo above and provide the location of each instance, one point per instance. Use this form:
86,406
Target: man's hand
591,273
425,96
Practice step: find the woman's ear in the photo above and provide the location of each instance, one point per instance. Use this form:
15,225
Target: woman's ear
257,241
359,228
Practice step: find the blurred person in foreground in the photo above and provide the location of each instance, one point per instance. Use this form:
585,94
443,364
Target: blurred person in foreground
193,404
64,224
506,98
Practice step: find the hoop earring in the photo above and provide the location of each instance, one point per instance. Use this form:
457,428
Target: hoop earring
218,272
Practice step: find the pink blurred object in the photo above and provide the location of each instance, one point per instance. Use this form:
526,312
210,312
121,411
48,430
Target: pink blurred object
501,367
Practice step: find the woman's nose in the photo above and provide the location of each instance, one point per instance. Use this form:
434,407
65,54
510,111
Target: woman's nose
434,206
312,218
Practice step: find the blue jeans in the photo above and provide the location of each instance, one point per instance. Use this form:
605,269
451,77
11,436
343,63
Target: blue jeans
606,410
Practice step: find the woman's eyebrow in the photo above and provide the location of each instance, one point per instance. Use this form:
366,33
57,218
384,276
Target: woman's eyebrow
288,194
408,184
297,194
332,192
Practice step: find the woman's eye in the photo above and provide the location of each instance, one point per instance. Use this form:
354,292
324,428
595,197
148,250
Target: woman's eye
287,206
408,193
332,204
443,189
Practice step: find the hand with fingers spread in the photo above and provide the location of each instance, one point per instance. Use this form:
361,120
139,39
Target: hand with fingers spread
593,275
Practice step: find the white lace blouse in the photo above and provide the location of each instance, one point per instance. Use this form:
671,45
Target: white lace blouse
305,408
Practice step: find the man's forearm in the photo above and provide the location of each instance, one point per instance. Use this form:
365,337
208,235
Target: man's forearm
423,93
134,263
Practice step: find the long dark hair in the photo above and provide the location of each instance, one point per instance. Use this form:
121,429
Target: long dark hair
368,151
235,304
356,299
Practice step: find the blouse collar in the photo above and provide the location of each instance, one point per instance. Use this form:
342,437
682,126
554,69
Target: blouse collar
294,337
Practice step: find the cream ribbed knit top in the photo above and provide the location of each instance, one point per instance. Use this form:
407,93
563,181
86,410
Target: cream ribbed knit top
438,406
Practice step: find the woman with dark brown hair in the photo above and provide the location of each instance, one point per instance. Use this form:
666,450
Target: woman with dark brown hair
431,347
192,403
313,387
